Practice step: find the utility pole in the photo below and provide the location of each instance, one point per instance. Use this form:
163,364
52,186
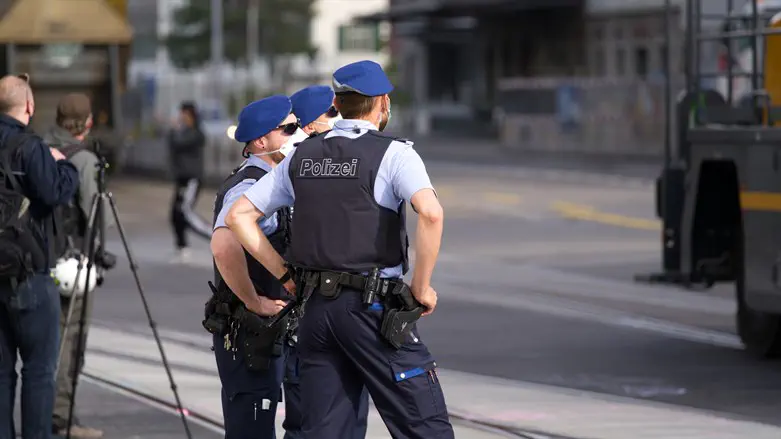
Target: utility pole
253,33
217,52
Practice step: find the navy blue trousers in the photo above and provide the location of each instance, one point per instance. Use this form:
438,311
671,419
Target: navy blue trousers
30,328
294,417
249,399
341,352
246,394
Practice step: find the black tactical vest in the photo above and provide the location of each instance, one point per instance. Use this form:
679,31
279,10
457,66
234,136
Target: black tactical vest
338,224
265,282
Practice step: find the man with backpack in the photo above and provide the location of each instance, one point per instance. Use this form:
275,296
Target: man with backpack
73,124
36,179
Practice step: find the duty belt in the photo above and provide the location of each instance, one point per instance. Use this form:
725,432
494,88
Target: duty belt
263,337
399,305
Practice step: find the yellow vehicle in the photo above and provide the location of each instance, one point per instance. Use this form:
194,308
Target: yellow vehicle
68,46
719,195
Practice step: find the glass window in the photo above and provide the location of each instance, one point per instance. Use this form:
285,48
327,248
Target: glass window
620,62
144,46
359,38
598,62
641,62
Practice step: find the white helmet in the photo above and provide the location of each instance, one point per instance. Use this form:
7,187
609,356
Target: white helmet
231,132
65,272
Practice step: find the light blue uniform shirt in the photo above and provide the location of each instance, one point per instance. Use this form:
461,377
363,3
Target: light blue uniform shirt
401,174
268,224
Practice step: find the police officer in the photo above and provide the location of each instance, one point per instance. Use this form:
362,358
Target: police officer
250,396
313,106
350,187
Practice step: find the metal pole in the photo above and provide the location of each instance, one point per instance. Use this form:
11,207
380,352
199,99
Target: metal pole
668,73
253,33
697,58
689,46
217,44
728,41
754,48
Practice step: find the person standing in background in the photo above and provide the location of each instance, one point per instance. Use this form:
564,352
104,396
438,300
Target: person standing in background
29,307
186,143
73,125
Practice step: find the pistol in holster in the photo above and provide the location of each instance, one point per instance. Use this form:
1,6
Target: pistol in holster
401,312
264,338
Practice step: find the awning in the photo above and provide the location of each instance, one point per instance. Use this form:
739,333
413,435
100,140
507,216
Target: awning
451,8
59,21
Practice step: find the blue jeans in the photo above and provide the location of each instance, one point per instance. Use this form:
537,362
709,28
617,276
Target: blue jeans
29,325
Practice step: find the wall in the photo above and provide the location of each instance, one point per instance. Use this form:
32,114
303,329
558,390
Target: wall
329,16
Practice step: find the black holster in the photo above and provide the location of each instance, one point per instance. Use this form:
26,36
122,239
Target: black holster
218,310
401,313
264,338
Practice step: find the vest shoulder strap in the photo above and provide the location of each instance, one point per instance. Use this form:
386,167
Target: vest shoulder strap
391,138
253,172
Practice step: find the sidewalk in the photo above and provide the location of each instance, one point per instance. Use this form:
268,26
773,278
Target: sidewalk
123,416
132,361
130,358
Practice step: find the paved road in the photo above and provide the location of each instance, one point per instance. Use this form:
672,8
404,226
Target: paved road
534,283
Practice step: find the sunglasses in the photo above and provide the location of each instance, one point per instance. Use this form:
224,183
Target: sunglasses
332,112
288,128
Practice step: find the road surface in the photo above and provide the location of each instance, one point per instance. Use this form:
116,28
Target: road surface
535,286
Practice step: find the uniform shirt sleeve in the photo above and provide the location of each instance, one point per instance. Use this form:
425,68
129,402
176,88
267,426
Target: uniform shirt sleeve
49,181
274,190
267,224
408,174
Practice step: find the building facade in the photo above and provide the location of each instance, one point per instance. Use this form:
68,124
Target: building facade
468,64
338,40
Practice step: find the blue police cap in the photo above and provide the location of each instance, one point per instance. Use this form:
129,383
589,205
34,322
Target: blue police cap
260,117
363,77
309,103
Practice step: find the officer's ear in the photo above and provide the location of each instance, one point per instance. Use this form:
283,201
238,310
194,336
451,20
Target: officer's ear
260,142
384,102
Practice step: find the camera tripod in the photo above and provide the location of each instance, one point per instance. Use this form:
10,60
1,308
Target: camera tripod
96,228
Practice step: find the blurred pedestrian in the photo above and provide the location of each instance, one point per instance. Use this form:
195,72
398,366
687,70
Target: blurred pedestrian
186,144
29,299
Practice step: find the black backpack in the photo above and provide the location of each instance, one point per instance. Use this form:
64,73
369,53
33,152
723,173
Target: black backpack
69,221
20,252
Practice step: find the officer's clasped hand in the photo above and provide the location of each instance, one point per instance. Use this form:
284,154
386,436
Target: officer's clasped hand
290,286
266,307
427,297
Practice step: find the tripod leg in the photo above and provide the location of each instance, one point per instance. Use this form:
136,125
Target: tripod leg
84,250
76,355
152,323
